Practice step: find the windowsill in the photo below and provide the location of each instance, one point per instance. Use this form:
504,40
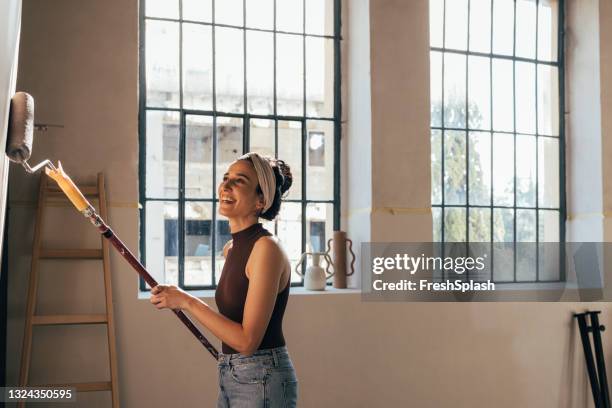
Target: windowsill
295,290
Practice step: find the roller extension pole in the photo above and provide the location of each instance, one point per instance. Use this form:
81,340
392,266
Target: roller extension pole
85,208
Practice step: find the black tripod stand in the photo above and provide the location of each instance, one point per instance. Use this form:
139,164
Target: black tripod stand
597,376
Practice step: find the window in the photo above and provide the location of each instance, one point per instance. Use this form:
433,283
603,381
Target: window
218,79
496,131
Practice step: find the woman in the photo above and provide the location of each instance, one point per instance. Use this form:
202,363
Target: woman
255,368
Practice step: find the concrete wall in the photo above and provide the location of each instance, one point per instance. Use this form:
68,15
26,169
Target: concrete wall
79,60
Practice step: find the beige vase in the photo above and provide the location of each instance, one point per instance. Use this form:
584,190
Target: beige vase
339,258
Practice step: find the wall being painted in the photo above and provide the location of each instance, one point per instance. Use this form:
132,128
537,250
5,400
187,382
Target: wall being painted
79,60
10,24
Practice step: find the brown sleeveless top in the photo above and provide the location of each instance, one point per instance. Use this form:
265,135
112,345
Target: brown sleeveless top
233,285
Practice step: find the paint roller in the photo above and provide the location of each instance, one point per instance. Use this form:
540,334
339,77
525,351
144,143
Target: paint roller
20,139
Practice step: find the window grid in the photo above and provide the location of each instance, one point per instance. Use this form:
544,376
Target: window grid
559,64
246,117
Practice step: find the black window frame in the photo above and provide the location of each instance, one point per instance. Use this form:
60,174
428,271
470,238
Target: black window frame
560,64
245,116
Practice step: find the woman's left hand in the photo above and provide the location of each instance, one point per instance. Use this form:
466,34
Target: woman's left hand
169,296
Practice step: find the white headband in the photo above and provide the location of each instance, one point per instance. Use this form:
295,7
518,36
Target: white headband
265,176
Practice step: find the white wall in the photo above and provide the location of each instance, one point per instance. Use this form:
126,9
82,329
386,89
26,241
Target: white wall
80,63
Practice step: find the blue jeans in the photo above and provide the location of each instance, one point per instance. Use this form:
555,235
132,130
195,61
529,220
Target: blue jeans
264,379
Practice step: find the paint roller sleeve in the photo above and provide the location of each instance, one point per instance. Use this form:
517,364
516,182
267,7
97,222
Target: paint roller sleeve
21,128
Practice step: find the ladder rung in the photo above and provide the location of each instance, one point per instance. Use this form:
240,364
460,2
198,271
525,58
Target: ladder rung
69,319
86,190
71,253
82,387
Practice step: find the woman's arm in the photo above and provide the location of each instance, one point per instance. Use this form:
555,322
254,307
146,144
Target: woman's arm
265,267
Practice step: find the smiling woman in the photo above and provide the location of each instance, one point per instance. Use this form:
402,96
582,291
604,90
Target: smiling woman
254,366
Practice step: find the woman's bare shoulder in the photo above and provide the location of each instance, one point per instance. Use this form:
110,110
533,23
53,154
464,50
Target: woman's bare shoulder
271,245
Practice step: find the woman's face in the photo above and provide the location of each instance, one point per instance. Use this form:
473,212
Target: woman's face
237,192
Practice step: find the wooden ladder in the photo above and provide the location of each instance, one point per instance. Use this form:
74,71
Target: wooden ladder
46,191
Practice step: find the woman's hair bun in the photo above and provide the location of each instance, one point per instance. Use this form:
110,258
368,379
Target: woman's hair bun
285,172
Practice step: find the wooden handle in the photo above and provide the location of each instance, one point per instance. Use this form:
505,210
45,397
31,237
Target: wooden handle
68,187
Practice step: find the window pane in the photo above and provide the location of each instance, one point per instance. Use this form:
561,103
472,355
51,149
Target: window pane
162,63
503,225
290,16
480,168
162,8
503,27
525,97
456,24
319,77
320,160
526,28
229,69
526,245
198,156
479,92
319,227
547,30
480,225
260,14
320,17
436,88
289,224
436,167
503,98
454,167
229,144
260,72
162,154
548,172
436,22
436,213
197,67
454,90
261,134
229,12
525,225
198,243
289,142
503,169
548,226
526,171
197,10
289,74
548,231
454,224
162,241
503,254
548,100
480,25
